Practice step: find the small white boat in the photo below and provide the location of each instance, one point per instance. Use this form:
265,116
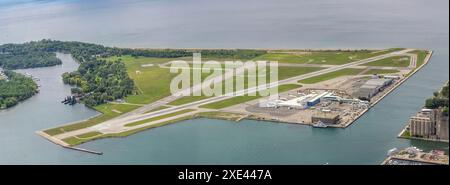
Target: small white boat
320,124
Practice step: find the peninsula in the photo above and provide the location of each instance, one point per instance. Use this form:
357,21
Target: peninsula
130,87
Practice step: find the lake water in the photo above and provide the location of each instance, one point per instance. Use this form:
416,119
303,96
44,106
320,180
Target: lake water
230,24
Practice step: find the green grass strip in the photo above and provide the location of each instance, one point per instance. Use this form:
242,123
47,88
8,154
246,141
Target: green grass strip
329,76
242,99
380,71
89,134
159,117
107,114
396,61
73,141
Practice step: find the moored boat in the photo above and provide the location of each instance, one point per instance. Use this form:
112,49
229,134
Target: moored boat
320,124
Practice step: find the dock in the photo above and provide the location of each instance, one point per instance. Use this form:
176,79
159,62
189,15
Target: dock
84,150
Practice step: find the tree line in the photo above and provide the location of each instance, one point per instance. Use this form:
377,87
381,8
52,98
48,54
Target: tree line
16,88
21,56
97,81
439,100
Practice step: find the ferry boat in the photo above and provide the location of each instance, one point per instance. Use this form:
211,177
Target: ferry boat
320,124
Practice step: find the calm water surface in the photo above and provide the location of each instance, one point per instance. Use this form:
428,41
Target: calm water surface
230,24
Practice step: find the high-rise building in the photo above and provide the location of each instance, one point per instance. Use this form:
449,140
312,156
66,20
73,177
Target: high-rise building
423,124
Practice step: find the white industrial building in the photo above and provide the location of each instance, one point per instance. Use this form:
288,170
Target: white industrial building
391,76
297,103
302,102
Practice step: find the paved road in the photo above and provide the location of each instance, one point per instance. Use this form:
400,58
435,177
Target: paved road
117,124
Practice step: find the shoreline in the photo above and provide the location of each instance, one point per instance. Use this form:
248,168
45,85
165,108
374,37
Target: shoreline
400,135
35,81
65,145
426,60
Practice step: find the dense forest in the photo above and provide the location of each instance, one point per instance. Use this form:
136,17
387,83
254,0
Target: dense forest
15,88
97,81
20,56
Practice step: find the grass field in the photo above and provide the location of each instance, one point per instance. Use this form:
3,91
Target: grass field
152,82
421,54
396,61
72,141
108,111
406,134
323,57
159,117
89,135
242,99
82,138
220,115
329,76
